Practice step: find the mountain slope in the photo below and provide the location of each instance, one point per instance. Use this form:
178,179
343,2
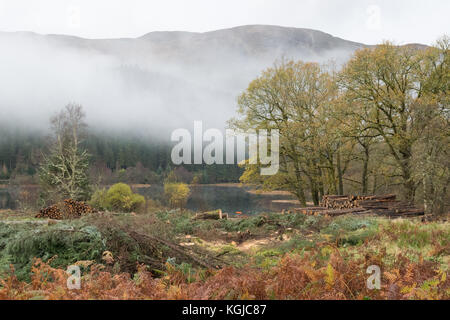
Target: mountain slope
161,79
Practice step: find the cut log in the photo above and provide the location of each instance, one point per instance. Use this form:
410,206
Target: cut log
377,197
344,211
303,210
214,215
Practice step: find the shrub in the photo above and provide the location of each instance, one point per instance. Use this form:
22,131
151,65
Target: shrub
196,180
176,194
98,199
152,205
120,198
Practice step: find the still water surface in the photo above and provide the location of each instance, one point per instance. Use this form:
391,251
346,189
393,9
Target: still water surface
230,198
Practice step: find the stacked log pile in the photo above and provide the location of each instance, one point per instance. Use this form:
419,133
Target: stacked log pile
337,202
386,205
67,209
329,212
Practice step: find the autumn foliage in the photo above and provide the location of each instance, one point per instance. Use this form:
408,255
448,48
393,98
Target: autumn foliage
322,273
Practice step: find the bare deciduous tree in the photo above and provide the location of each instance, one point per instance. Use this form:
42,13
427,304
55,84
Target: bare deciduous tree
63,172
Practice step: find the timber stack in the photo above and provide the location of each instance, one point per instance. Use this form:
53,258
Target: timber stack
386,205
67,209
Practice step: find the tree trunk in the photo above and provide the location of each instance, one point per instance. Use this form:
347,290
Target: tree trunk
364,178
315,196
314,190
408,182
409,185
299,192
428,188
339,169
321,188
405,151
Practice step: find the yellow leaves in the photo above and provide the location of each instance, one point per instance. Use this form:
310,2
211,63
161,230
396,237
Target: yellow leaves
84,263
443,276
408,289
176,193
330,275
107,256
121,197
427,291
293,97
246,296
250,175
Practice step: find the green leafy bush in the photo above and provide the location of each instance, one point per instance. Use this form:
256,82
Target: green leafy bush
176,194
98,199
118,198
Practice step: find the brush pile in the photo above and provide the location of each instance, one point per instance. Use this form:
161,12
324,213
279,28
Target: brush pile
386,205
67,209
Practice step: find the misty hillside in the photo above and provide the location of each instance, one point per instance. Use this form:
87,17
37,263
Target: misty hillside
249,42
160,80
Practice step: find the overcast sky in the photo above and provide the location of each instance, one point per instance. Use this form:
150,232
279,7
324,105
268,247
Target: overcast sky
367,21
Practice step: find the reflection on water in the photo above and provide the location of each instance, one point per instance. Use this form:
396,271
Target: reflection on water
229,198
6,200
